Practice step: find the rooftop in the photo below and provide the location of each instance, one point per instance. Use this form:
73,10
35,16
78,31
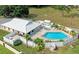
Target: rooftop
22,25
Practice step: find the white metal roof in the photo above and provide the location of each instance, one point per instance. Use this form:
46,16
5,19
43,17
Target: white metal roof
47,21
21,25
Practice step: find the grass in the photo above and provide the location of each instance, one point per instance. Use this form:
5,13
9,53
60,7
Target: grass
69,50
24,49
3,33
4,50
30,50
56,16
70,20
62,50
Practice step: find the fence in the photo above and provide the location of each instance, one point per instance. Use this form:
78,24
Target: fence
9,47
70,39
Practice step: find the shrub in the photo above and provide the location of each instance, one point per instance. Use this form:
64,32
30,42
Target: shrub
41,47
73,33
17,42
61,40
27,36
38,41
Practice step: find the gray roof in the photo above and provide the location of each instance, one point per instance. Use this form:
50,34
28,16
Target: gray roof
21,25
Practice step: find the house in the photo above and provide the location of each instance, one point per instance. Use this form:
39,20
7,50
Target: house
22,26
17,27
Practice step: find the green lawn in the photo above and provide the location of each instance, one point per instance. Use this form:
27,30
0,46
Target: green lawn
24,49
56,16
69,50
30,50
3,33
4,50
61,50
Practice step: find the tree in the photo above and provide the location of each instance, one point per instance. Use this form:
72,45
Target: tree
41,47
73,33
4,10
38,6
14,11
40,43
27,36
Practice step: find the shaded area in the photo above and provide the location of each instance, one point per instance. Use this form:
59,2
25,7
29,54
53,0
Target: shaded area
2,34
32,16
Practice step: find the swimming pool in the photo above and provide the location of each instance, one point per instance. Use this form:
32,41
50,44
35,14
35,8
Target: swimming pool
55,35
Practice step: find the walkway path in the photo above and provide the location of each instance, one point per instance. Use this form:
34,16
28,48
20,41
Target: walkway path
9,47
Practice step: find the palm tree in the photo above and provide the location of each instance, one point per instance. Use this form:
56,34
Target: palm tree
73,33
40,43
27,36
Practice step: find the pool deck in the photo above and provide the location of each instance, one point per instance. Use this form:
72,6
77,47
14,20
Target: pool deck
43,31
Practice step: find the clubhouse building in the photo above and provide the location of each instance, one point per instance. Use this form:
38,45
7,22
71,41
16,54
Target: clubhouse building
22,26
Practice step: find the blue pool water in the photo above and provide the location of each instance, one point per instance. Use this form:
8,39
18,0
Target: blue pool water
55,35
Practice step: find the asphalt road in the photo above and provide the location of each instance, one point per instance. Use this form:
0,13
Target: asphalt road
4,20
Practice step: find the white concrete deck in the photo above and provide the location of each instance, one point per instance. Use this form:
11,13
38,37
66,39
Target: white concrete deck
43,31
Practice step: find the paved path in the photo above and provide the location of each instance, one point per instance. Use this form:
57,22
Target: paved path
10,48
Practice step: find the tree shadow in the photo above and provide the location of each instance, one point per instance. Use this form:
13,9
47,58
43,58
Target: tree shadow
32,16
40,6
72,15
